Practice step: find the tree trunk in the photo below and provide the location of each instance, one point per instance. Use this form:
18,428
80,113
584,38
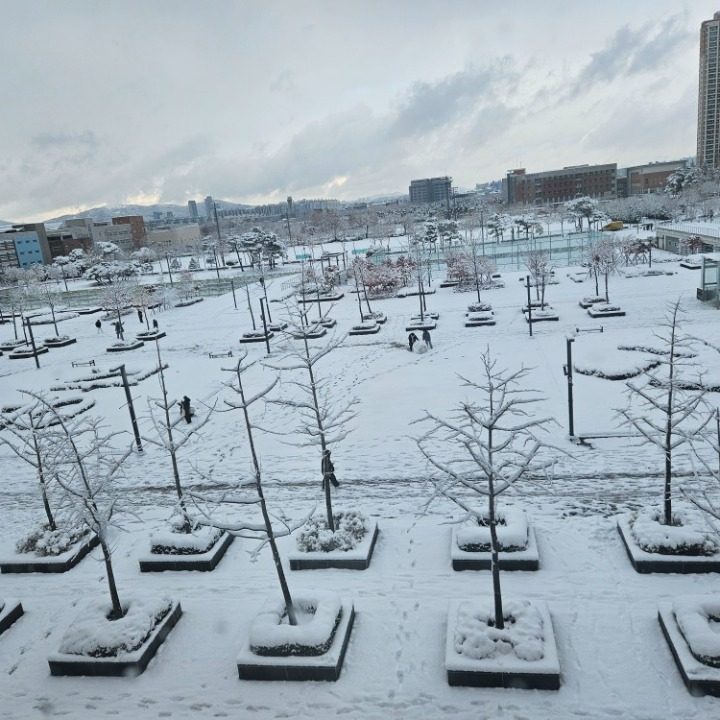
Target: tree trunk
41,478
117,610
607,294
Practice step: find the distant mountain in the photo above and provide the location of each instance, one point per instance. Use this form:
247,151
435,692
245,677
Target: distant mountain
105,213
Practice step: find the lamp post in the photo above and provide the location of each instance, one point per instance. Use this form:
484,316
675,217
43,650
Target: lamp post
568,369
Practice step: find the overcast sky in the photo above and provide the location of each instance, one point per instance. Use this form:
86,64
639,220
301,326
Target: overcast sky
118,101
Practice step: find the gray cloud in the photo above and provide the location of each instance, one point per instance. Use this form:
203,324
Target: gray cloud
50,141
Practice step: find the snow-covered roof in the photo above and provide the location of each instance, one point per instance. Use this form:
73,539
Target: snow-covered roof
707,229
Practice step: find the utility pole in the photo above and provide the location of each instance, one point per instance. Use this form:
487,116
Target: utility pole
529,303
131,407
217,227
569,375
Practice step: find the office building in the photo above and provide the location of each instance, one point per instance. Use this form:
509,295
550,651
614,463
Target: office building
209,208
431,190
556,186
30,244
708,127
645,179
137,229
192,209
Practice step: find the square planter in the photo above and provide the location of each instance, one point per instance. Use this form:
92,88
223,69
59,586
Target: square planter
426,316
29,562
27,352
427,325
11,611
646,562
150,335
12,344
318,332
449,283
327,666
126,665
588,302
378,317
356,559
527,559
256,337
323,298
59,342
126,346
328,323
690,265
601,311
699,678
277,326
203,562
504,671
539,315
364,329
477,319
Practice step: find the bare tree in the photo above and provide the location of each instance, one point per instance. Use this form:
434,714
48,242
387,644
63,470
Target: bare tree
485,448
540,268
85,465
116,297
602,259
666,409
323,415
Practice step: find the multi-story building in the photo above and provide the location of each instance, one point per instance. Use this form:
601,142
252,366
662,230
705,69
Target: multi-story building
708,126
30,244
209,208
192,209
62,242
120,235
555,186
137,229
174,238
431,190
644,179
8,255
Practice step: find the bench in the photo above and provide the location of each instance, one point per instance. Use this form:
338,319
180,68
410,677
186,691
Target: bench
582,438
220,355
83,363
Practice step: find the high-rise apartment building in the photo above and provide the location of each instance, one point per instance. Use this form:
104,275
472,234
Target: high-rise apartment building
209,208
708,133
431,190
192,209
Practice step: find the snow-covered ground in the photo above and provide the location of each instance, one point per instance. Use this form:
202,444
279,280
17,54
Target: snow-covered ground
614,660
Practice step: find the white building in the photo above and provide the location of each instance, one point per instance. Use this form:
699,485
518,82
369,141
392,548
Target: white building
684,237
175,238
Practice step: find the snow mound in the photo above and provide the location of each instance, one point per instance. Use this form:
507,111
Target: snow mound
175,542
93,635
512,533
350,529
477,637
686,536
44,542
698,618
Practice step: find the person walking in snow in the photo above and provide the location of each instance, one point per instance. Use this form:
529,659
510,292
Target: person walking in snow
155,325
412,339
185,406
140,315
328,470
118,331
426,338
98,325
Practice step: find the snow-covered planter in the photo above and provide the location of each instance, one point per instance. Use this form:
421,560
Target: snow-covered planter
186,303
94,645
60,341
690,264
540,314
277,326
350,546
605,310
311,333
479,307
27,352
122,346
50,551
478,319
522,655
365,328
11,345
150,335
690,628
329,323
611,365
313,649
470,548
323,297
253,336
378,317
591,300
10,611
427,324
174,550
408,292
684,547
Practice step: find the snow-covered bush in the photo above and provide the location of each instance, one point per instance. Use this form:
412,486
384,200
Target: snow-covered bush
93,634
687,535
45,542
319,616
179,542
350,529
512,532
477,637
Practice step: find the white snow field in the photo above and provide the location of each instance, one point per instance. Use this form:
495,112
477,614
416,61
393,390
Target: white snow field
614,660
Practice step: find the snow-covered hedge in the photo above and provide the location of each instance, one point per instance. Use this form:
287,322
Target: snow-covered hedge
694,616
477,637
612,366
318,618
49,543
93,635
175,542
350,529
688,535
512,533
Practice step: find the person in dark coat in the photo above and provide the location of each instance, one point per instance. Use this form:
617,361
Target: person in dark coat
98,325
426,338
155,325
118,331
328,470
140,315
185,404
412,339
